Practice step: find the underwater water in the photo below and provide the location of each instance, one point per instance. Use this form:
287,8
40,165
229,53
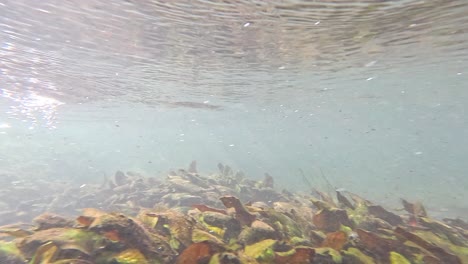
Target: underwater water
368,96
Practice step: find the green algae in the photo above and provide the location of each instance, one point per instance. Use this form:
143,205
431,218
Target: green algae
396,258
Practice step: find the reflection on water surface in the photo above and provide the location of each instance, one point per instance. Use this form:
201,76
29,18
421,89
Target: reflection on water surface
372,93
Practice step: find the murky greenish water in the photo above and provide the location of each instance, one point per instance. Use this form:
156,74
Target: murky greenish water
372,95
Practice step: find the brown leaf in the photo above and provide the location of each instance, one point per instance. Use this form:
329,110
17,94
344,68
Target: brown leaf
46,253
431,260
112,235
221,167
434,249
85,221
335,240
343,200
14,231
196,253
416,209
358,200
193,167
321,204
50,220
268,182
456,222
244,216
330,220
120,178
325,220
438,227
93,212
302,255
205,208
375,243
325,197
379,212
134,233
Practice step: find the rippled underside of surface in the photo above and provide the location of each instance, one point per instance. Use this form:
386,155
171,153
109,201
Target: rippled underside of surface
372,92
158,51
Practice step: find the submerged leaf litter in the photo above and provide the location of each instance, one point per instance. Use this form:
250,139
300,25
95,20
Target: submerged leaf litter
221,218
